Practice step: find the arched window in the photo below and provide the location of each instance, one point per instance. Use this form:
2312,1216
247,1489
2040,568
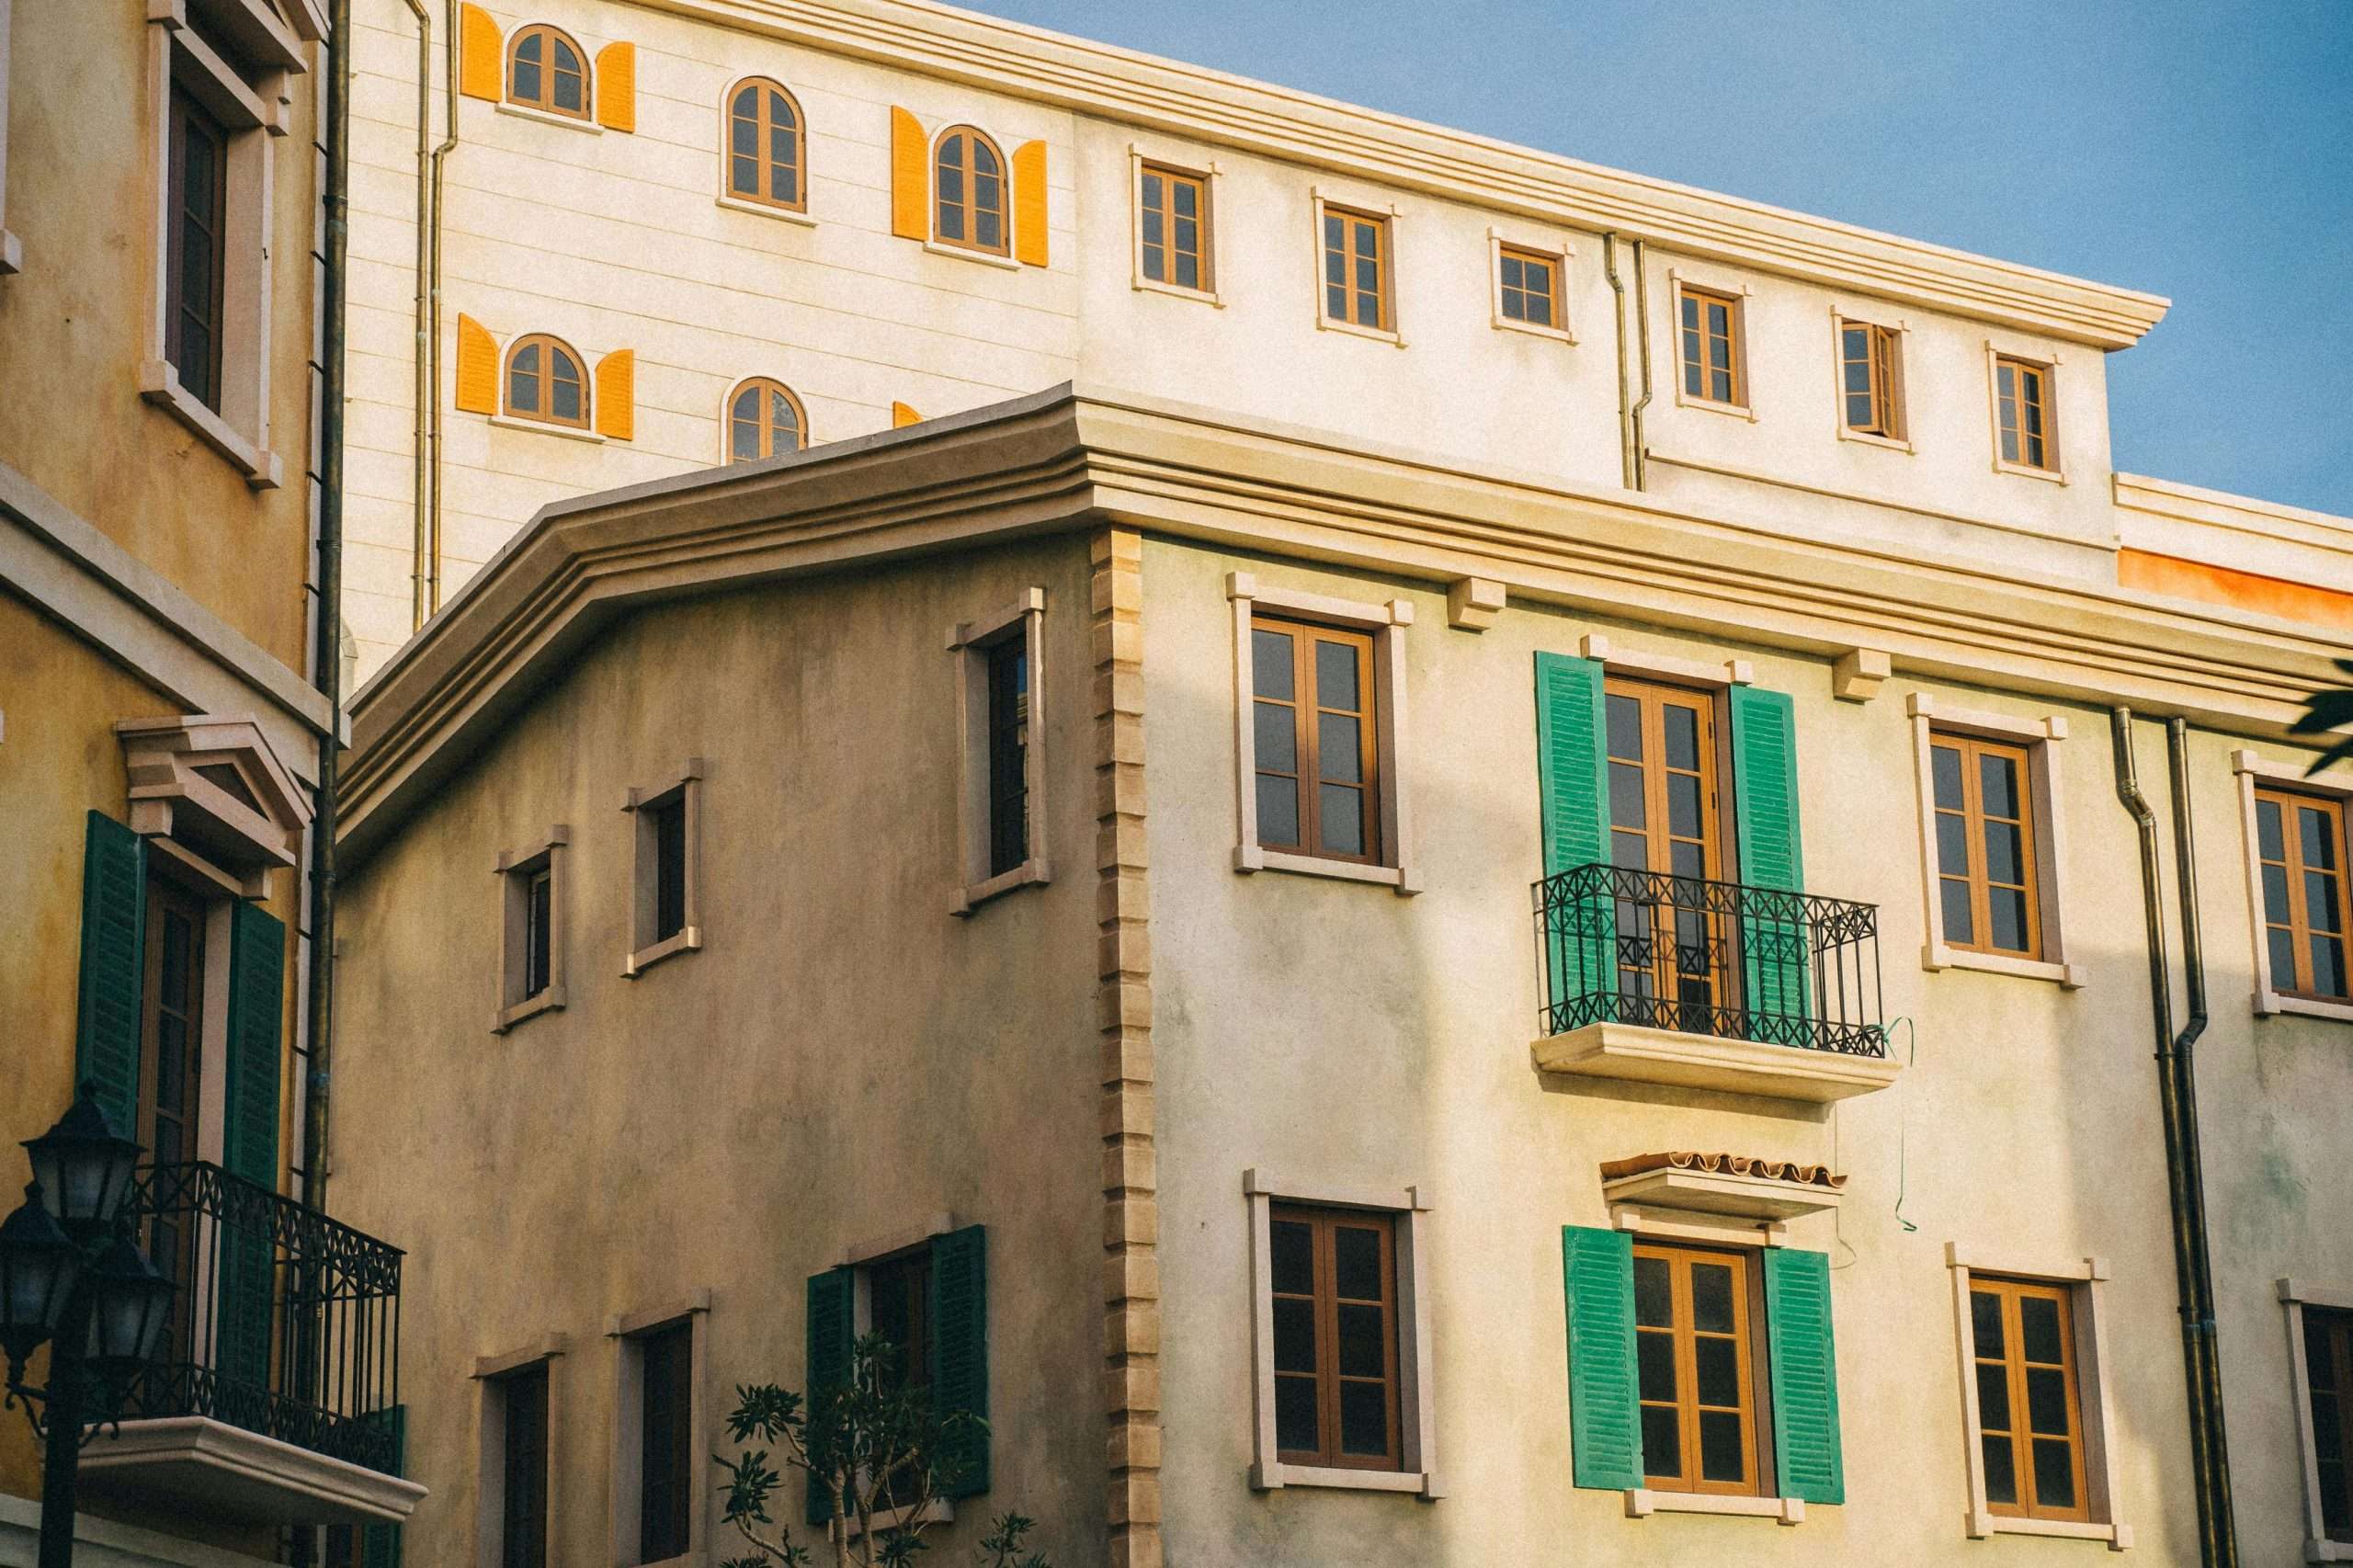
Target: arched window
764,420
967,180
764,157
545,69
544,381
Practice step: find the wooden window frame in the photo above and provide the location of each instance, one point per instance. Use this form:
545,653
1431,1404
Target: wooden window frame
969,207
2045,367
969,644
769,387
191,123
2012,1293
1309,715
1978,877
548,345
1384,220
1719,847
545,102
2294,869
2041,740
1203,253
1207,176
1886,372
2084,1282
1749,1349
2299,1298
493,1374
1554,256
1414,1470
684,790
515,870
627,1333
1734,299
2256,775
763,126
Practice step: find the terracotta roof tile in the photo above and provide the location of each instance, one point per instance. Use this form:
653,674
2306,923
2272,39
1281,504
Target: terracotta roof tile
1790,1171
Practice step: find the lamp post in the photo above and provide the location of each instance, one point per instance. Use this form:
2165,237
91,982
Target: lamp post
71,1278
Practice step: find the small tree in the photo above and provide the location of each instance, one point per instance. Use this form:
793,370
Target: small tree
874,1449
2329,709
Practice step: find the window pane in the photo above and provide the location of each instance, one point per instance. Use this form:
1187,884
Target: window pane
2001,1472
2004,853
1338,753
1295,1424
2054,1474
1294,1247
1364,1419
1360,1346
2320,901
1653,1300
2046,1401
1336,677
567,91
2009,445
2320,844
1997,785
1655,1364
2328,965
1278,812
1711,1297
2266,828
1683,805
1625,795
1662,1441
1294,1335
1985,1323
743,176
564,399
1340,816
1717,1365
1960,921
2038,1329
2275,893
2005,912
2282,943
1952,843
1356,1263
1721,1456
1682,736
1334,235
1270,667
1625,727
1276,737
1189,271
1992,1396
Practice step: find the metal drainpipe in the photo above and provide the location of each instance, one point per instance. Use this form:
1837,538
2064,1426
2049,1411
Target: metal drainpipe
2216,1547
420,588
433,290
1641,336
1625,416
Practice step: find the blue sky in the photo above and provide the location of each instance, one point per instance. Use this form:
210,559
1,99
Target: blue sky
2201,151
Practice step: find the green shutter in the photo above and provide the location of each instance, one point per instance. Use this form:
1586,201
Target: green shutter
379,1545
832,1328
114,933
1573,781
1605,1424
1776,941
1805,1376
959,1355
249,1146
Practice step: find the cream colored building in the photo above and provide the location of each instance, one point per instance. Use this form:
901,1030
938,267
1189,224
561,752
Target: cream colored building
160,747
938,849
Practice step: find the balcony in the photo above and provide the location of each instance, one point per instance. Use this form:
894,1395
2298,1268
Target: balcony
1705,984
272,1398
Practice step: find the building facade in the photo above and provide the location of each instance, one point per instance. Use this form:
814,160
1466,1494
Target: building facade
161,742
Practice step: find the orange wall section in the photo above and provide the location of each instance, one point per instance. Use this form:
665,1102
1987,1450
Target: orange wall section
2172,575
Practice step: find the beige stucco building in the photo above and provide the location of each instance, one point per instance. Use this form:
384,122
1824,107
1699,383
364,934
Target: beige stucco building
161,743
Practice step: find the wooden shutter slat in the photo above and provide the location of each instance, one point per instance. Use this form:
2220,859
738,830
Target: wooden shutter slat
477,385
617,395
1776,944
249,1143
910,178
831,1327
959,1355
1806,1452
1573,783
904,415
1605,1424
1029,204
617,86
113,973
481,55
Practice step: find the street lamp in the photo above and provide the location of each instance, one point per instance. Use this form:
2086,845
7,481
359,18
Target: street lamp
71,1278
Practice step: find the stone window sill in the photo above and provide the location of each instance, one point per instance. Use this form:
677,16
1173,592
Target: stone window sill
2119,1538
1378,334
1869,438
2328,1551
687,941
967,253
1710,405
1642,1503
159,383
765,209
1251,859
1420,1483
2309,1008
1030,873
2027,470
1536,329
1198,296
2070,975
547,1001
524,111
543,427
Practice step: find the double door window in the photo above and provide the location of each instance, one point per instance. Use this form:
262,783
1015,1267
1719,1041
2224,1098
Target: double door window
1665,818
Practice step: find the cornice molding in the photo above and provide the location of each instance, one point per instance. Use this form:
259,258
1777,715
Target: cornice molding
1068,459
1137,89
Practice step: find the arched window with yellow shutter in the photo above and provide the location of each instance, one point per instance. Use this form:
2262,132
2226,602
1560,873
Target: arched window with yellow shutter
544,381
764,420
767,150
546,70
968,191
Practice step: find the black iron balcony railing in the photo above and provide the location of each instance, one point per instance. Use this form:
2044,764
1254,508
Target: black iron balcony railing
1633,947
286,1323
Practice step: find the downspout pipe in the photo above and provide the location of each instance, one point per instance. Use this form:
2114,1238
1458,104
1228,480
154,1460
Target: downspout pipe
1625,413
420,544
2217,1546
432,384
1641,445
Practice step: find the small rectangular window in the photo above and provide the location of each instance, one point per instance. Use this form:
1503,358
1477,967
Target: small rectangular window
1173,227
1987,880
1695,1361
898,1298
1008,741
669,867
2328,1393
1317,753
1710,336
666,1464
196,242
1001,814
2029,1408
2299,846
1867,371
1530,285
1334,1280
523,1469
539,931
1356,268
531,942
2022,394
665,918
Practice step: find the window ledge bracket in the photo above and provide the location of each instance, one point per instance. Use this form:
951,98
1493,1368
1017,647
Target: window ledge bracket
159,383
1642,1503
524,111
542,427
1250,857
2071,976
687,941
764,210
1030,873
966,252
2119,1538
1422,1484
2327,1551
547,1001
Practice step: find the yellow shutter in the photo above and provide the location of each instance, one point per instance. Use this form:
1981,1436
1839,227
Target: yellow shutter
481,55
617,86
910,178
477,367
1029,204
901,415
617,395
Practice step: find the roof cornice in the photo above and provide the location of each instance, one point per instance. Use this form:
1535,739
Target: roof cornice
1139,89
1069,458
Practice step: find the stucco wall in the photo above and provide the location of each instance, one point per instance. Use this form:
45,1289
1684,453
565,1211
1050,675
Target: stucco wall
1337,1032
841,1060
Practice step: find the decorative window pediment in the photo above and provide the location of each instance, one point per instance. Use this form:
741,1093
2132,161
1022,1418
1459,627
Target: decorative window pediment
212,784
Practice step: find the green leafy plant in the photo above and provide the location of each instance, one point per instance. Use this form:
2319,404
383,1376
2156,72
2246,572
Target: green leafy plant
2327,710
876,1453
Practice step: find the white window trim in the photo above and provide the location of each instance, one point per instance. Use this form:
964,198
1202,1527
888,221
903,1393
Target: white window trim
1387,623
2040,736
645,952
1395,333
627,1331
511,868
254,113
762,209
1557,251
1678,281
550,116
539,426
12,253
2295,1295
725,143
2251,769
970,642
1643,661
2048,362
1209,173
1840,319
2087,1277
1417,1399
490,1490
